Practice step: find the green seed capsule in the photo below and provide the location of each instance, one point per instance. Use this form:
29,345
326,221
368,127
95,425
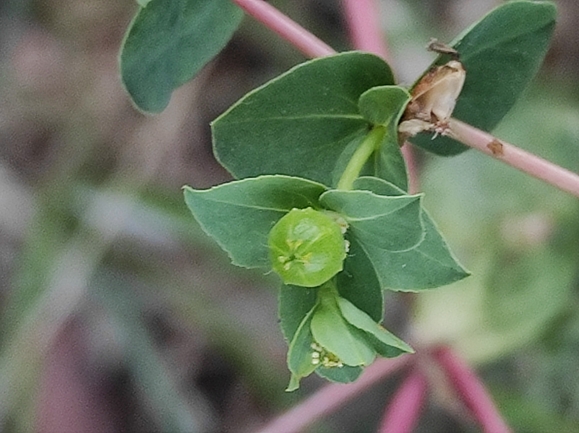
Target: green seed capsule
306,247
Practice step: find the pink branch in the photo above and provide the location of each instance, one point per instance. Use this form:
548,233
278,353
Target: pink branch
471,390
515,157
289,30
404,410
332,396
363,17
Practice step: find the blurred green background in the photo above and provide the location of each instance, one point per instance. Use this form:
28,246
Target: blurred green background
119,315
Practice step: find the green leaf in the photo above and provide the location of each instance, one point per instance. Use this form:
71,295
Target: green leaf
389,223
385,105
378,186
168,42
239,215
345,374
294,304
333,333
384,342
388,163
299,123
299,356
501,54
359,283
428,265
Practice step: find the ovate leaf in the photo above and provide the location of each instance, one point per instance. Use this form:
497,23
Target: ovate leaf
501,54
168,42
428,265
240,214
299,123
389,223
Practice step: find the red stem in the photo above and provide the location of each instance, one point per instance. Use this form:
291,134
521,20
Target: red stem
331,397
404,411
515,157
471,390
288,29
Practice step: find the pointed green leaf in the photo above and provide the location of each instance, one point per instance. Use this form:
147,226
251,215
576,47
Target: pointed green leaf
299,357
168,42
333,333
384,342
501,54
389,223
240,214
299,123
428,265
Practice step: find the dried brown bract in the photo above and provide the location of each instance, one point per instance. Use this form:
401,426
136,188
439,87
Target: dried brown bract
441,48
433,100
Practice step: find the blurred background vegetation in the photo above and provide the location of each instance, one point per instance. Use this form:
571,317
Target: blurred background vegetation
119,315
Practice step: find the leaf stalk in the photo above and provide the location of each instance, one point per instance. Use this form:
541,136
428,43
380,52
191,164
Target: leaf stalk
352,171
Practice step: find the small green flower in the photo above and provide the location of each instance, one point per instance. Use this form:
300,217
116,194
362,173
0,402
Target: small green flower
307,247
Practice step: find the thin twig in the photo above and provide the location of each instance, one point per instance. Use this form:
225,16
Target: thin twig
471,390
288,29
404,411
515,157
332,396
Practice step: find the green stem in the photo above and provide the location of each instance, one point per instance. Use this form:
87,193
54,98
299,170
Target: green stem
327,291
360,157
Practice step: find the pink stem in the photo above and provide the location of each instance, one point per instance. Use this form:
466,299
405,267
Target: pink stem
363,17
403,412
331,397
471,390
289,30
515,157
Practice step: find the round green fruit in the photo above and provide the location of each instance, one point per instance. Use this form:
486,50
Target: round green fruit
306,247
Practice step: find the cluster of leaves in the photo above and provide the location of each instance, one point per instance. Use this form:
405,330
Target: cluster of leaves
324,136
